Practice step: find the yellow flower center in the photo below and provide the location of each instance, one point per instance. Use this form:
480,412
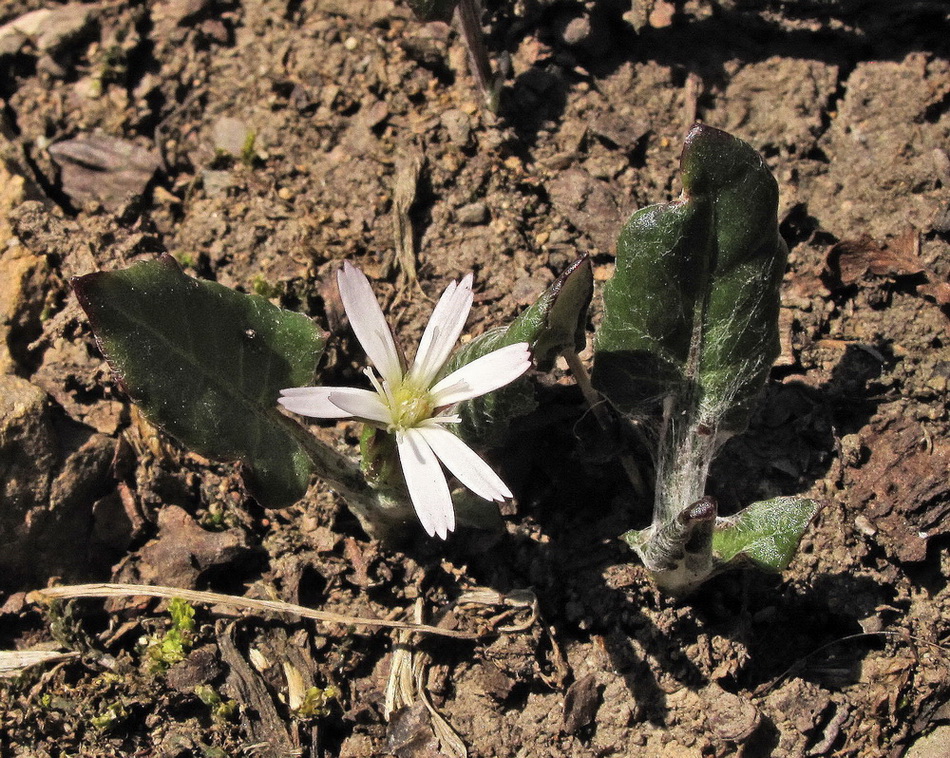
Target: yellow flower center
410,405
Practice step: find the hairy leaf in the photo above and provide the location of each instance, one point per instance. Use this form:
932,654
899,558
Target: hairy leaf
206,363
692,309
765,534
553,324
690,331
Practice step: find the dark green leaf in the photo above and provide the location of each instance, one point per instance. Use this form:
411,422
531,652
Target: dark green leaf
766,533
692,310
555,323
206,364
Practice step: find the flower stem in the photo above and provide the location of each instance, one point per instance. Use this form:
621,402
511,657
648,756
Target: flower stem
382,516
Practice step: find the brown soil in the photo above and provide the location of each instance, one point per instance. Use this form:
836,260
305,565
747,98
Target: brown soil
849,102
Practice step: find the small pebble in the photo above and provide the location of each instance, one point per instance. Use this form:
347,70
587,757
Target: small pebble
576,31
472,214
230,135
216,183
457,125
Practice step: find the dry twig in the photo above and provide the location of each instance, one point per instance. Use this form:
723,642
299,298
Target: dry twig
244,603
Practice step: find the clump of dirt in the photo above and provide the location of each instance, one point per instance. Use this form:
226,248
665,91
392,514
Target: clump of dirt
263,143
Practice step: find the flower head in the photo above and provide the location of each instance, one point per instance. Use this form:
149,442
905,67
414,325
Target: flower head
411,403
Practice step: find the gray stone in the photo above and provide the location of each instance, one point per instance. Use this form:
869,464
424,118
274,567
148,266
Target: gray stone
933,745
231,136
47,29
28,453
51,473
458,126
576,31
472,214
103,168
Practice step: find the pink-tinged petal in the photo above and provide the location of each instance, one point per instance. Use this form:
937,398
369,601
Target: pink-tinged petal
369,324
464,462
442,332
362,404
314,401
428,490
483,375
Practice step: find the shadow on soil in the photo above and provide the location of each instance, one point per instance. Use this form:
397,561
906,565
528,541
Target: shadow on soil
841,34
588,585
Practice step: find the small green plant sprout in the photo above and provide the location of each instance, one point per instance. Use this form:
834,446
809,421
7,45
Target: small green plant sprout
316,702
260,286
249,155
186,259
110,717
208,365
221,709
171,647
689,333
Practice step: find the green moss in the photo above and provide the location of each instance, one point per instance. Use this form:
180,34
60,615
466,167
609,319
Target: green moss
317,702
264,288
185,260
249,155
221,710
110,717
167,649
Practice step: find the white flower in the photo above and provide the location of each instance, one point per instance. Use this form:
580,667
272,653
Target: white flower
411,404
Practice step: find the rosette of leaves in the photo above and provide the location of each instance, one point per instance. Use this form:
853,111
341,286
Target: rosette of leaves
206,364
690,331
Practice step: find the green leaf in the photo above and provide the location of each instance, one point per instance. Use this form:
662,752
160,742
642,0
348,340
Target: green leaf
553,324
690,331
766,533
206,364
692,309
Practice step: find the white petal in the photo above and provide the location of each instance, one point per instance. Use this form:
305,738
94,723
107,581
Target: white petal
369,324
313,401
363,404
442,332
483,375
425,480
464,462
294,391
